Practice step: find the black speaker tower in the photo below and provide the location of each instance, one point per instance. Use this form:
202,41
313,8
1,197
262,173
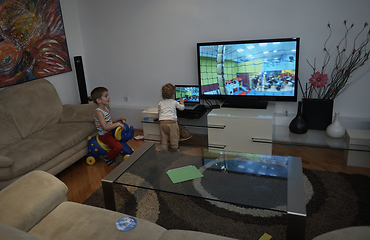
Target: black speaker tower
81,80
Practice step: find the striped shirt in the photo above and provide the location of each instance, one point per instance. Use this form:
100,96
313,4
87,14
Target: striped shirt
107,119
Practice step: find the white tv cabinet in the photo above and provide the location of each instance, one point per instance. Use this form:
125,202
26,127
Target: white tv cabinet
241,125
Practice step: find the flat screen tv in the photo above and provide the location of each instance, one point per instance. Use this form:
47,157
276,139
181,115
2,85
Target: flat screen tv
248,73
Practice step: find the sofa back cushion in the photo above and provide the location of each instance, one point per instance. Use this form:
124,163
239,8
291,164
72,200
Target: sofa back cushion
32,105
8,128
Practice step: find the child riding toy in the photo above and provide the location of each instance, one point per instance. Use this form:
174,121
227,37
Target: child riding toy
97,147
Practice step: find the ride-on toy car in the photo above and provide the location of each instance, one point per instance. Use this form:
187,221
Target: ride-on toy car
97,147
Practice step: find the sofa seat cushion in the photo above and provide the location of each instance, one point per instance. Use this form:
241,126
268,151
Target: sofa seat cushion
77,221
190,235
38,148
27,154
358,232
66,134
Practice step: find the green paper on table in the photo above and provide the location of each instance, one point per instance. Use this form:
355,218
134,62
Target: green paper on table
265,237
184,174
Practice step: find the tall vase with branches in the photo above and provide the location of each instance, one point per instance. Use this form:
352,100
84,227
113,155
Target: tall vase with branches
321,90
347,60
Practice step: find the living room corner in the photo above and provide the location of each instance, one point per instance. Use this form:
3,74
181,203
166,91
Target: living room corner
253,179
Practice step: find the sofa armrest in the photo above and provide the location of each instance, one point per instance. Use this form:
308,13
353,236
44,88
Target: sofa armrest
8,232
6,162
78,113
29,199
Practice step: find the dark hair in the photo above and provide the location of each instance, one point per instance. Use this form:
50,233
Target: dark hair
168,91
97,93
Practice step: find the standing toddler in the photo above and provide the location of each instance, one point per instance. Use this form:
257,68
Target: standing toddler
167,117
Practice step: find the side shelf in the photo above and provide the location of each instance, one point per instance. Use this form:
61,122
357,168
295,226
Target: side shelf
355,144
189,125
197,127
313,138
200,140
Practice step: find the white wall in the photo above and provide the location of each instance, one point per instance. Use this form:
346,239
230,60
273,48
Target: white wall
134,47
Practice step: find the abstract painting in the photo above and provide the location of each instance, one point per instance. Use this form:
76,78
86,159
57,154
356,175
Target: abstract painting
32,41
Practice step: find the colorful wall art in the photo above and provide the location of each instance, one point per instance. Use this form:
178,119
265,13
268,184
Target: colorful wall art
32,41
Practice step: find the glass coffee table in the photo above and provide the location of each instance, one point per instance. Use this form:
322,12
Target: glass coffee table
253,180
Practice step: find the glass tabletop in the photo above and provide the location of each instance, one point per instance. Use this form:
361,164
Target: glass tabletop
254,180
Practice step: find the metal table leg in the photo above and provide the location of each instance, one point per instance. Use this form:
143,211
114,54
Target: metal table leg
296,200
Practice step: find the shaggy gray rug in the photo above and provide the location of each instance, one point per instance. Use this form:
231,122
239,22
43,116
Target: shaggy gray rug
334,201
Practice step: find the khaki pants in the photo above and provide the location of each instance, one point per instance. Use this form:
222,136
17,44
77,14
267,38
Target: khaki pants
169,128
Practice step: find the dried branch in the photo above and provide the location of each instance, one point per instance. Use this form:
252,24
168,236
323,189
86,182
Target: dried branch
345,66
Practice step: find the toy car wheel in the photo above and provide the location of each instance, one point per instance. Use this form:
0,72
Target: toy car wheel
90,160
126,156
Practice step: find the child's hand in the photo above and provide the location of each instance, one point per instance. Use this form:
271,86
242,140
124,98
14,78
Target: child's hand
123,119
120,125
181,101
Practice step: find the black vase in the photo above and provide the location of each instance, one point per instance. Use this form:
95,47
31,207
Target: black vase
298,124
318,113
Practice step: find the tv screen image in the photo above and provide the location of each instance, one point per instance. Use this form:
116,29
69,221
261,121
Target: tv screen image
190,94
246,163
263,70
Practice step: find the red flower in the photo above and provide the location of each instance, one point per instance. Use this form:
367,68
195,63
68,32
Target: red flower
318,79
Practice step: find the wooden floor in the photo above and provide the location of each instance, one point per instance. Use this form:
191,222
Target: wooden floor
82,179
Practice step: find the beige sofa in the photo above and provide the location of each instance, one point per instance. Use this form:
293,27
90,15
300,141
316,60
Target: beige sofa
36,207
39,132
